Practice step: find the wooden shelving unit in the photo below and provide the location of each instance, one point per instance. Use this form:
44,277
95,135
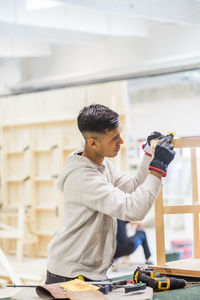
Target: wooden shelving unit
29,175
35,150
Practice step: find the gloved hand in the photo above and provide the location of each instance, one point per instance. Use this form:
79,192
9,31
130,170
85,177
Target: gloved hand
147,146
163,155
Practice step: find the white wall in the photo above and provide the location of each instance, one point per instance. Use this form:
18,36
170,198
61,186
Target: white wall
112,54
173,108
166,46
165,43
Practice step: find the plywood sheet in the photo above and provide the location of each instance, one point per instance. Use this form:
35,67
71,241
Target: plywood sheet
184,267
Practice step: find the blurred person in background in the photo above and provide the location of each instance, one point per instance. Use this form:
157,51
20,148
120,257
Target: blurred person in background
126,245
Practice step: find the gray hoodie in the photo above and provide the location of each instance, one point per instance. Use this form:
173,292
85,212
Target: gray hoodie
94,196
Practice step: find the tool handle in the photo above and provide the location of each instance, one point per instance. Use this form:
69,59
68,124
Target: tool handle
119,282
148,280
134,287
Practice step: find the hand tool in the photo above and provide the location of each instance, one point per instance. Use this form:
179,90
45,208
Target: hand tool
157,283
21,285
128,285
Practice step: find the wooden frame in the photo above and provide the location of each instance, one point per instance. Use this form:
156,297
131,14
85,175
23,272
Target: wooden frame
186,267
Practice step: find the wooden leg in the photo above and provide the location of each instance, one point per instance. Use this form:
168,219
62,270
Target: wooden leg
195,200
160,234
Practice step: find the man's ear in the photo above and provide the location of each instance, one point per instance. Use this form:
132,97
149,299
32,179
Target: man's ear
92,143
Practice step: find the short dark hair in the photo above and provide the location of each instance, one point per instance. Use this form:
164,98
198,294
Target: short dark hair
97,118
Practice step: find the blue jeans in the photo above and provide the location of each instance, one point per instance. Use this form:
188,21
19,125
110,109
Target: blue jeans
127,245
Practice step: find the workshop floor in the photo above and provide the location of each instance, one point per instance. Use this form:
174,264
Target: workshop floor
122,266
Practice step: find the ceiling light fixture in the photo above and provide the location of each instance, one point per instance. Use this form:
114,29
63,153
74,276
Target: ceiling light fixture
41,4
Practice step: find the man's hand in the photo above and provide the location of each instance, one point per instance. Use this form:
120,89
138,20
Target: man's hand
147,146
163,155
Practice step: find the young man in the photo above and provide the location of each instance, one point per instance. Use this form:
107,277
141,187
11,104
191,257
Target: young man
96,194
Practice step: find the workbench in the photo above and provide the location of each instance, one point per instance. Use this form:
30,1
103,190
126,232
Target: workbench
30,294
183,294
191,292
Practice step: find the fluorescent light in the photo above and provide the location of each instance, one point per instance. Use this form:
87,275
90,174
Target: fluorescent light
41,4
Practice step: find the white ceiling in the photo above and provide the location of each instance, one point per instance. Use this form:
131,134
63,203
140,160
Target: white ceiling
28,28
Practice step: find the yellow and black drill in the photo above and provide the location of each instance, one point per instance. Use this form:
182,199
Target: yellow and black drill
149,277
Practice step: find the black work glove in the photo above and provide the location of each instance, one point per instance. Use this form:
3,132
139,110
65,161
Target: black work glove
147,146
163,155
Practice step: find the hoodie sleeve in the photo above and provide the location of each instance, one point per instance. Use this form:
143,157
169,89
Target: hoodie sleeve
98,194
129,183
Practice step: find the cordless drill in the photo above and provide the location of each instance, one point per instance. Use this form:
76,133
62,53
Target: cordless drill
157,283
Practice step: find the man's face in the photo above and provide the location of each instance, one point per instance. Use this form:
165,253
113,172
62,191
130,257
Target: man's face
108,143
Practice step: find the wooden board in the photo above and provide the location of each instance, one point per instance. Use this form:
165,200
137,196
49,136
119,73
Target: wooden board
184,267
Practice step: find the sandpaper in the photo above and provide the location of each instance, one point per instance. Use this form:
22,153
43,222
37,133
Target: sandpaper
77,285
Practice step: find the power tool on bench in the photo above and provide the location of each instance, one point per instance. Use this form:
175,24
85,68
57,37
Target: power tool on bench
148,276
